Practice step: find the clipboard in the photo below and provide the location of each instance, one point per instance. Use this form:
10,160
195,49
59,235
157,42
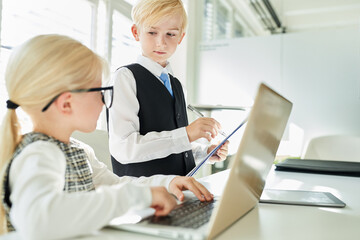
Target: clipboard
197,167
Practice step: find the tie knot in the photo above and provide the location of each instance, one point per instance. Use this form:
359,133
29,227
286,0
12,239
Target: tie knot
164,77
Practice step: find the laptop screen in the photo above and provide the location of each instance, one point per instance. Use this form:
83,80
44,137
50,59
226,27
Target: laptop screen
254,158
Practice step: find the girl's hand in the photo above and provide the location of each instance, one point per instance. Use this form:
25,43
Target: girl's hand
162,201
178,184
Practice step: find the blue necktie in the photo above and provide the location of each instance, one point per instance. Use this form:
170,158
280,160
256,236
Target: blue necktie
165,78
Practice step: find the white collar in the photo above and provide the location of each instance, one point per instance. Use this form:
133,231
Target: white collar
153,66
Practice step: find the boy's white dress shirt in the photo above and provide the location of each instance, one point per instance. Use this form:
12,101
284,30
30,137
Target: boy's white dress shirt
125,142
37,196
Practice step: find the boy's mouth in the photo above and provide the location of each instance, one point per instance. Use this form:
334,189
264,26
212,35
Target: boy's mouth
160,52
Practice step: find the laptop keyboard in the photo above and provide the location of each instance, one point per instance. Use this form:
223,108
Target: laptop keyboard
190,214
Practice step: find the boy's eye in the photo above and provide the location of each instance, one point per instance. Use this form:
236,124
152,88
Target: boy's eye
171,34
152,33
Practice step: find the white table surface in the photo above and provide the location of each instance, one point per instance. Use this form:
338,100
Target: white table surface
277,222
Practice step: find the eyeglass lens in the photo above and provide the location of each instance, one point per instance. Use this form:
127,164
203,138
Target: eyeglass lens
107,97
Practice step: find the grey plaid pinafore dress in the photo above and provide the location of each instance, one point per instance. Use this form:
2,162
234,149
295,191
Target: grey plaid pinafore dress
78,175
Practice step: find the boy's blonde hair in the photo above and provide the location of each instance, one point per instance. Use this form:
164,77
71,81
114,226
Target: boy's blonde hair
146,13
37,71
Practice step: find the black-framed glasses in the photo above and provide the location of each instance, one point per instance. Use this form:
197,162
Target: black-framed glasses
106,92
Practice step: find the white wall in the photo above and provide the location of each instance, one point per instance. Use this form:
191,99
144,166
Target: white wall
318,71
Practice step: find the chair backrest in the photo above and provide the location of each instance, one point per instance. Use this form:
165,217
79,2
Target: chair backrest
334,147
99,141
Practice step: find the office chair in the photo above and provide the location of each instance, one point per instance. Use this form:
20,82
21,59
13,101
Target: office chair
334,147
99,141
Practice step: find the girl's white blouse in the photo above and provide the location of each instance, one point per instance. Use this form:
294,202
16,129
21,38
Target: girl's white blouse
42,210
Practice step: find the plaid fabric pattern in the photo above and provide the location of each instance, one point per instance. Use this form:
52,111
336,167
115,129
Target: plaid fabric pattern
5,197
78,175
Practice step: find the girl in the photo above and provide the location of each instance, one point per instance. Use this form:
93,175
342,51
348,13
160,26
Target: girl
53,186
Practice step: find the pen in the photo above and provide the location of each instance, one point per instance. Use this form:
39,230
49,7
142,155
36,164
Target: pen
199,114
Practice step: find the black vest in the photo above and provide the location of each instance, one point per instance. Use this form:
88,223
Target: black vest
159,111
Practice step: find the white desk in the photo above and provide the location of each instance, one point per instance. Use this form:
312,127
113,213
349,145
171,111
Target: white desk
270,221
277,222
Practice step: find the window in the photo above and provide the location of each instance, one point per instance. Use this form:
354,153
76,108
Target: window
208,20
102,25
124,47
23,19
222,20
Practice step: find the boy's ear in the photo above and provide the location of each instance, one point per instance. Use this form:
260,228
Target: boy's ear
181,38
63,103
135,32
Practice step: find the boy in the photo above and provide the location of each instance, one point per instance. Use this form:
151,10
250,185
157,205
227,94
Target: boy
148,126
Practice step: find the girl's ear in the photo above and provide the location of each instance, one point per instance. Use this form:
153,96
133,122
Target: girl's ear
181,38
135,32
63,103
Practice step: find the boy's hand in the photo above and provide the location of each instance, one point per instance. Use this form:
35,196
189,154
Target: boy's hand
203,128
220,154
162,201
178,184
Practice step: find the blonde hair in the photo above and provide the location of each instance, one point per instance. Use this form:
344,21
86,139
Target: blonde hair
37,71
149,12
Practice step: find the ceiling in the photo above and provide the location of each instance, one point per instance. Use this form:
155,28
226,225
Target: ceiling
304,15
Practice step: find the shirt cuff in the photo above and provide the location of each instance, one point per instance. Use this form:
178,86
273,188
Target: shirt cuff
134,196
180,138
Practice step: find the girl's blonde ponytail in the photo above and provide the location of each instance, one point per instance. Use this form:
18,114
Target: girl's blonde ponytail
9,138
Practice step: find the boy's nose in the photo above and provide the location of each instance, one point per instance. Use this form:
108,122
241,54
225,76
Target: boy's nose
160,41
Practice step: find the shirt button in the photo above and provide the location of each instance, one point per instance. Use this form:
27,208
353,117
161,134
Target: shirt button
178,116
186,155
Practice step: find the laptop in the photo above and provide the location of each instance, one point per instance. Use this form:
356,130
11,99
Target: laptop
245,183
